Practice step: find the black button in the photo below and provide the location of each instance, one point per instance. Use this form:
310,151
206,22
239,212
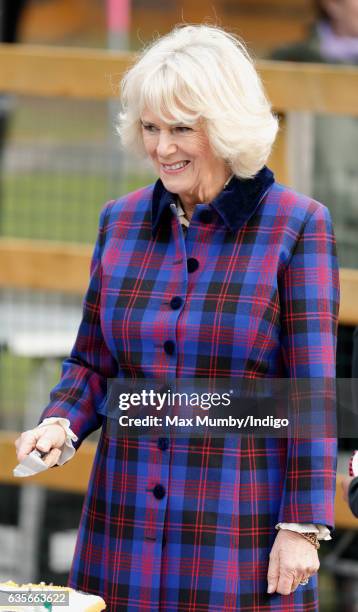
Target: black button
163,443
176,302
192,264
169,347
206,216
159,491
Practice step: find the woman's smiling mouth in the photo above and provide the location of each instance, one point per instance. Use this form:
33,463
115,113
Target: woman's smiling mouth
175,168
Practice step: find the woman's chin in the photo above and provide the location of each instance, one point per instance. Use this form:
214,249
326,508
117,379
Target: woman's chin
172,183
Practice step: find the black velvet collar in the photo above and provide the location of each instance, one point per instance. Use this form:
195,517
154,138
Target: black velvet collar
235,204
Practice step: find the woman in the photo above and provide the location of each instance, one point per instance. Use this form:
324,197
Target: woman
246,286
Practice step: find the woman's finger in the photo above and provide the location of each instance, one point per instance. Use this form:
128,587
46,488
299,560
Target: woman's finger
44,443
286,581
52,457
25,444
273,572
41,438
297,581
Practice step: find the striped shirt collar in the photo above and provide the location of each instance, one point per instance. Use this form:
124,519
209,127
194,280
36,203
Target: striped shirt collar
181,214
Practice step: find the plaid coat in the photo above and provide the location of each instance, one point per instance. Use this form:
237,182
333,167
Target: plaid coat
187,524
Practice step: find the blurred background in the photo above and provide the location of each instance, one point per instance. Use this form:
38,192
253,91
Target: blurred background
60,161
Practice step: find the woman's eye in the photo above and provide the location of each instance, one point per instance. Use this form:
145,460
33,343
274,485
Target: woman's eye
182,129
149,128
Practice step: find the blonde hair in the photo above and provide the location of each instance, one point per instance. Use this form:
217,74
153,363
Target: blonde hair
201,72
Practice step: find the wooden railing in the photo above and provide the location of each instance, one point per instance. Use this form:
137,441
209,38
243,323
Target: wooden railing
56,266
40,264
73,477
96,74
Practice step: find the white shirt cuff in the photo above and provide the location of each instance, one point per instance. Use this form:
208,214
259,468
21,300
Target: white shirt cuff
68,449
322,531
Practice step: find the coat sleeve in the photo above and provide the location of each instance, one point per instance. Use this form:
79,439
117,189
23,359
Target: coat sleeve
309,296
83,385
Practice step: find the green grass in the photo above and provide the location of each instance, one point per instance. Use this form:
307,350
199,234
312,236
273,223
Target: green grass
53,206
58,120
16,374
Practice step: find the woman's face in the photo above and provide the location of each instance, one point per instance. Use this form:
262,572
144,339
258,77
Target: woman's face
183,158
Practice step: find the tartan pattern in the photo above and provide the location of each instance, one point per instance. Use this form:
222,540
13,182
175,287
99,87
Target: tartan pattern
263,302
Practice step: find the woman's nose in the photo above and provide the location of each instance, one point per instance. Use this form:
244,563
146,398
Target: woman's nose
166,144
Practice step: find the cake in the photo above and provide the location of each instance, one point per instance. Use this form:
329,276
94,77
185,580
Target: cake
78,601
353,464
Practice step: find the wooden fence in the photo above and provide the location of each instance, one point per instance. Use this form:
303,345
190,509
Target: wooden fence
73,477
96,74
56,266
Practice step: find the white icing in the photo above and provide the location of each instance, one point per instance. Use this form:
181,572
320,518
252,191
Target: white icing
355,464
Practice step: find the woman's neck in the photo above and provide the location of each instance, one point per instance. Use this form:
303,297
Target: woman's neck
189,202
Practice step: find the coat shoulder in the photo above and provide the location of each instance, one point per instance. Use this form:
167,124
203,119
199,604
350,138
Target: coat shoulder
136,201
294,205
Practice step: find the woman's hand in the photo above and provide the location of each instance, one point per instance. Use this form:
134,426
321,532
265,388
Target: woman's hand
292,559
49,439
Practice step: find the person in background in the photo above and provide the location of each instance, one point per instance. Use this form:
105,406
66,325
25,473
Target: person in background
333,38
353,496
333,170
10,16
350,493
11,12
